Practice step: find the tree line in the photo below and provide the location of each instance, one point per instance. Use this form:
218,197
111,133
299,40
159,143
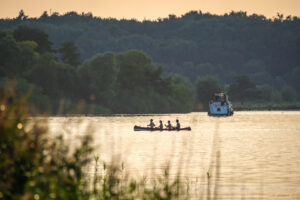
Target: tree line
62,79
126,82
192,45
241,90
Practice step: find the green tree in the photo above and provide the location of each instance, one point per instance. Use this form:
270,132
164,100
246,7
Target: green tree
69,53
205,88
137,81
135,69
294,79
45,75
242,89
17,58
28,57
22,15
57,80
24,33
266,93
183,94
98,75
253,66
288,94
9,55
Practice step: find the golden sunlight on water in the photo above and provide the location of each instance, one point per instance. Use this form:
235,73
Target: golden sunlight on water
252,155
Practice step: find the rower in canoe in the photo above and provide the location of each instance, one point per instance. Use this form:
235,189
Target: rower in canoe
169,125
161,126
177,124
152,125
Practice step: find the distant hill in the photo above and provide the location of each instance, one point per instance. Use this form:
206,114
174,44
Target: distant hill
195,44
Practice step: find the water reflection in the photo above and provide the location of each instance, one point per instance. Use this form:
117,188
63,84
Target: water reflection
247,156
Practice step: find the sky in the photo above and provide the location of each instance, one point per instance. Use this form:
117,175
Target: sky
147,9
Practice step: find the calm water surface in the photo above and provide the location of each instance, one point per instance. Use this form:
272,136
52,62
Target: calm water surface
252,155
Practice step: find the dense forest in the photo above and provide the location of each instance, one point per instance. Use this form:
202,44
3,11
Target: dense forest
126,82
74,57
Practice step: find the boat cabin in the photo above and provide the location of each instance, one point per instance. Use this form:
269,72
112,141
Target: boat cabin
219,105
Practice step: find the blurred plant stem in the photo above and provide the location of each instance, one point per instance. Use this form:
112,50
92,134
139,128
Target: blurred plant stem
32,166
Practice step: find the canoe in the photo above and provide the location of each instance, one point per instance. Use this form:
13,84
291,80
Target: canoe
140,128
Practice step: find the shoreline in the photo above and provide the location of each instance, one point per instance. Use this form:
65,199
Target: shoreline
240,108
270,107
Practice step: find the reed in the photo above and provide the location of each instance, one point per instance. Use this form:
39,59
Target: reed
35,167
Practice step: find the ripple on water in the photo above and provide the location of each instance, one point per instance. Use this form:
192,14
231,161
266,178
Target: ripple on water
249,155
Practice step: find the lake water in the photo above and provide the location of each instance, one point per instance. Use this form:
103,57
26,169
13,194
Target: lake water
251,155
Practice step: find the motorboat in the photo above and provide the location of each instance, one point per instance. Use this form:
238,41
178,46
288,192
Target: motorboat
219,105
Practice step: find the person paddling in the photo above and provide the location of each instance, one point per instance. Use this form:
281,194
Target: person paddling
161,125
151,124
177,124
169,126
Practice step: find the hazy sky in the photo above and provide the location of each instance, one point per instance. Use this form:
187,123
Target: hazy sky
147,9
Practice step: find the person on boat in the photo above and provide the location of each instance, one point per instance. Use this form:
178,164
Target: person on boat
169,126
161,125
177,124
151,124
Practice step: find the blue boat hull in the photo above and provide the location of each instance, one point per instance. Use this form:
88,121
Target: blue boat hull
217,109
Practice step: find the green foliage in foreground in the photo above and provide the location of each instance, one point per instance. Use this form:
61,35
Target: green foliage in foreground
32,166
